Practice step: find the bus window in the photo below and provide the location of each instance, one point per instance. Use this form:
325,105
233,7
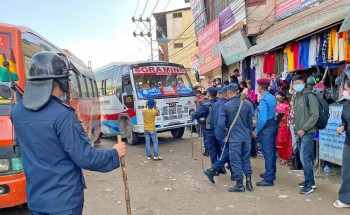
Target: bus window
101,88
118,83
89,86
109,87
94,87
74,85
83,87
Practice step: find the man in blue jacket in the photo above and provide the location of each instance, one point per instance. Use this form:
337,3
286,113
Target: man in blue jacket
205,111
53,143
239,137
266,132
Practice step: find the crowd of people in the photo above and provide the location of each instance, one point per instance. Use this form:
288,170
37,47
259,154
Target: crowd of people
237,123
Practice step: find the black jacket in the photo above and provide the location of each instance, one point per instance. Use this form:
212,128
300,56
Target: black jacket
345,118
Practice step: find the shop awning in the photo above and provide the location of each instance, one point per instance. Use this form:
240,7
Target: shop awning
301,24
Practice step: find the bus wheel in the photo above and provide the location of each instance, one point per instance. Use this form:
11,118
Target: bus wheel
178,132
131,136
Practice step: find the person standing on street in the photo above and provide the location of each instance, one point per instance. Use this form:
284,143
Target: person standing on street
204,115
266,132
344,191
220,134
149,115
54,145
306,115
239,136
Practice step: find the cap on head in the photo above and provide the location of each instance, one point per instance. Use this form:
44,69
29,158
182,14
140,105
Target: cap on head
263,82
150,103
224,89
232,87
212,91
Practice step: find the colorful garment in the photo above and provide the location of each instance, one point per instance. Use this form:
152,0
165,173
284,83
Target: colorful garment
269,62
296,52
284,139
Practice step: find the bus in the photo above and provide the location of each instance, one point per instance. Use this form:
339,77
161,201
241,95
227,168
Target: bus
17,45
124,89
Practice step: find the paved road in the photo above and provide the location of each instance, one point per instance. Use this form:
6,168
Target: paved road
177,185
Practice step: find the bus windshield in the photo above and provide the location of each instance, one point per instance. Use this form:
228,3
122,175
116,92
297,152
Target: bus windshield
162,81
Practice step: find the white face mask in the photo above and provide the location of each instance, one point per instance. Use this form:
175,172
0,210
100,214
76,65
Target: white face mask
346,95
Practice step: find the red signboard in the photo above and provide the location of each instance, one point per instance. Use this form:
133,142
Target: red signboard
168,91
159,70
285,8
209,54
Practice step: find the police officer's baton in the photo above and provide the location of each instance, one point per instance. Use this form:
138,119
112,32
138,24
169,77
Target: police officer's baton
201,137
125,179
192,139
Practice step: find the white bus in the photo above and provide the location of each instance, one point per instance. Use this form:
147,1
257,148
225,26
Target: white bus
124,89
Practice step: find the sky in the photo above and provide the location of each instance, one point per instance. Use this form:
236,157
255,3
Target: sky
97,31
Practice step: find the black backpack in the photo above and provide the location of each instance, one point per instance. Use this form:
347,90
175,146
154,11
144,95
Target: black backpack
323,109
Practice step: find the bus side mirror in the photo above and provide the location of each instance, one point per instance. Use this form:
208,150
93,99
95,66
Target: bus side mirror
5,92
197,76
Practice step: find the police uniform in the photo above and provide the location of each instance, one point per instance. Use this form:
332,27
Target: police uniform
54,146
266,130
239,139
206,110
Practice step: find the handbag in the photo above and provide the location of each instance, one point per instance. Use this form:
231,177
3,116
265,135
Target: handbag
234,121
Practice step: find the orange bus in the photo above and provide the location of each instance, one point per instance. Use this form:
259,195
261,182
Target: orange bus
17,46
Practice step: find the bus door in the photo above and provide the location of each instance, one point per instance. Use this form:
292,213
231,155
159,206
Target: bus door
128,98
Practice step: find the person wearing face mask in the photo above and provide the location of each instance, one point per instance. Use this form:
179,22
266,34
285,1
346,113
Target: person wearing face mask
54,145
266,131
306,116
344,191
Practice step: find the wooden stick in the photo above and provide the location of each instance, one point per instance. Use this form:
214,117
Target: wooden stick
125,179
192,139
200,136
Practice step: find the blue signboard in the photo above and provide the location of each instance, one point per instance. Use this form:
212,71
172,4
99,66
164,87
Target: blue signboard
149,93
184,90
331,144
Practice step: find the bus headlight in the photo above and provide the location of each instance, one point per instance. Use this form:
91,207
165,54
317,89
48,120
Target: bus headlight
16,164
4,165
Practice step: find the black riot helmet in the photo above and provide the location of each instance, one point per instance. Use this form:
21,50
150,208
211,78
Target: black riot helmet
48,65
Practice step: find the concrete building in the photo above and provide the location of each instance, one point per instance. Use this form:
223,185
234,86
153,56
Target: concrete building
174,45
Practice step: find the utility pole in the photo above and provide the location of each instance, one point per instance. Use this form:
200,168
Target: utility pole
149,33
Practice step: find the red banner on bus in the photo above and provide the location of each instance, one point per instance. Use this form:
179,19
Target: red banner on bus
159,70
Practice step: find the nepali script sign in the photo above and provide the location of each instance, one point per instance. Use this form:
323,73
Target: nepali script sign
331,144
199,17
285,8
209,53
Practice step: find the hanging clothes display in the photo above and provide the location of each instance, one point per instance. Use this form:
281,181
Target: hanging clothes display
313,51
290,57
341,45
269,62
325,46
295,50
304,54
279,66
347,45
332,46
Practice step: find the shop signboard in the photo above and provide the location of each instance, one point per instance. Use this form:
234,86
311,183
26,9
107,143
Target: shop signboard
199,17
209,54
285,8
331,144
234,47
232,15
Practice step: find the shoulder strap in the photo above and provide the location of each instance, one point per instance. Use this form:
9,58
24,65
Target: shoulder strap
234,121
307,94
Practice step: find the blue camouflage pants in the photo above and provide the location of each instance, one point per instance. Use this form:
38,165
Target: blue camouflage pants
267,139
240,159
223,157
204,132
75,211
214,146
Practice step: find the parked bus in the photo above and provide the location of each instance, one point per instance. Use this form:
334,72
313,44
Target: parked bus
19,44
124,89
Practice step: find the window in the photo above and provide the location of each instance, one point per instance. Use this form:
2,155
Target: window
109,87
178,45
101,88
90,89
177,15
197,43
83,87
95,88
74,85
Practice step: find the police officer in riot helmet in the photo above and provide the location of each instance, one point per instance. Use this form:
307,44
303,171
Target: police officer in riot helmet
53,143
